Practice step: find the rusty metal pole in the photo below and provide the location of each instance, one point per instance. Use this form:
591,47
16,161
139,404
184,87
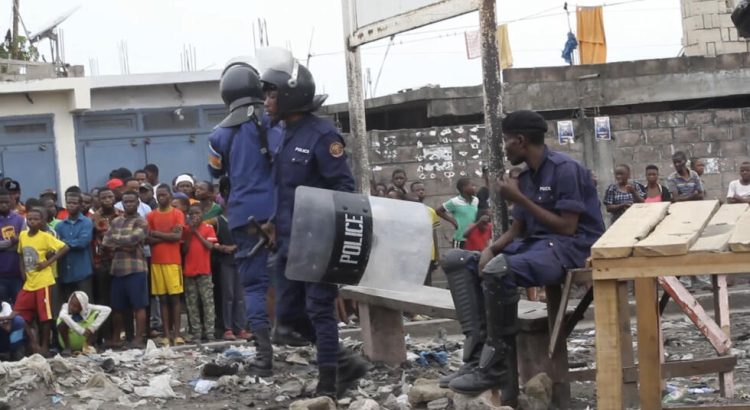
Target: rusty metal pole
493,107
355,86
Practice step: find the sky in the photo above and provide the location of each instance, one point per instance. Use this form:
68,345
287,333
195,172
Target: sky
156,31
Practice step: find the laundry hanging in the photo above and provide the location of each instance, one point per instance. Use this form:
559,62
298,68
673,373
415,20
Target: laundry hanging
570,45
503,47
590,30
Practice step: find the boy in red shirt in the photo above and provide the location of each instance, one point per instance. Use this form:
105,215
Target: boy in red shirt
165,226
478,234
200,238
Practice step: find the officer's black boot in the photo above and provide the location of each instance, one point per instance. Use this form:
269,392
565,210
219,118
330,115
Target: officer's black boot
262,364
326,382
287,335
351,367
498,363
466,290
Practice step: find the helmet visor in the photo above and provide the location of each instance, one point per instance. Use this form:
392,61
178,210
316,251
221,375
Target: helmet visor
280,60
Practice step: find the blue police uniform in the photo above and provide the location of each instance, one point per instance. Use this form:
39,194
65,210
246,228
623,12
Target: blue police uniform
561,184
312,154
252,193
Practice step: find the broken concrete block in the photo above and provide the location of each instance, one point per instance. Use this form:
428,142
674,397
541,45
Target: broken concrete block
364,404
427,390
537,393
318,403
488,400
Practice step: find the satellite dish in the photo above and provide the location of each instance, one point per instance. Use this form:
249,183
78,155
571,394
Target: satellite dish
48,30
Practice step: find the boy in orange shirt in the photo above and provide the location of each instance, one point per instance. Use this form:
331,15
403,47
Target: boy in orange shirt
200,238
165,233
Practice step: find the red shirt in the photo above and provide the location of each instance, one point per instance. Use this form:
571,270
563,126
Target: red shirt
165,221
198,258
477,239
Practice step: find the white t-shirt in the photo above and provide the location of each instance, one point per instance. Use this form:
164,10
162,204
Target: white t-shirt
736,188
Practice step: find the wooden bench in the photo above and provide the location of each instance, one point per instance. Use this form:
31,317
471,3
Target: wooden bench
380,314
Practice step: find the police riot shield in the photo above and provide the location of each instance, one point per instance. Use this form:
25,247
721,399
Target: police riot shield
355,239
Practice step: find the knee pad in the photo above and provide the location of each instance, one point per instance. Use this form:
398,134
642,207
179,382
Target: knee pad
455,260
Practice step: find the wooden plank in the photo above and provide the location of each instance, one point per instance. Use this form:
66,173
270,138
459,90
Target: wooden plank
715,335
679,230
608,345
634,225
682,368
740,239
630,388
721,312
556,325
647,312
683,265
715,236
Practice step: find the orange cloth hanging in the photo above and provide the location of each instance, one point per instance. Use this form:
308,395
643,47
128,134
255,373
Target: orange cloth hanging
503,47
592,46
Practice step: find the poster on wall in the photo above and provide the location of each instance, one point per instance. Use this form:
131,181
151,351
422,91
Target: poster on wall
565,132
601,126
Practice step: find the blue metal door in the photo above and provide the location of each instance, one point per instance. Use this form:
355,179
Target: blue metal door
176,155
33,165
102,156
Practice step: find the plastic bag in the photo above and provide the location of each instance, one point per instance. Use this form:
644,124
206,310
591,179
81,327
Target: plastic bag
741,18
159,386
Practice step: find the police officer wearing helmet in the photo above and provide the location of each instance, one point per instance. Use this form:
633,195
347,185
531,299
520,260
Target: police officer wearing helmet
241,147
312,154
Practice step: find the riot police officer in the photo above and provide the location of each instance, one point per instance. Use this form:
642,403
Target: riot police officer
242,148
312,154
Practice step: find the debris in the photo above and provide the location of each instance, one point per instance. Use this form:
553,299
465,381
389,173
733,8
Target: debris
487,400
204,386
292,388
425,358
318,403
439,404
159,386
56,399
152,352
296,358
538,391
100,388
364,404
425,390
59,365
108,365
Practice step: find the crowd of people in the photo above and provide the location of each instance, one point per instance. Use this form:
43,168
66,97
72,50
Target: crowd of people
133,249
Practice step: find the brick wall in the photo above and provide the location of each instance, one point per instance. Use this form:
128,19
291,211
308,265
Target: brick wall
707,28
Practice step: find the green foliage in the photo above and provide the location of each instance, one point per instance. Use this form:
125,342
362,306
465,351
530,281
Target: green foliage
26,51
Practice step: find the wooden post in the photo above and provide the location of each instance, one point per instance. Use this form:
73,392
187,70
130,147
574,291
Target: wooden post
357,127
647,311
14,36
492,86
608,345
721,313
382,334
630,388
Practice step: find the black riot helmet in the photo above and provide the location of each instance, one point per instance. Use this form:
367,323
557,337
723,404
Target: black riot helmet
296,90
241,91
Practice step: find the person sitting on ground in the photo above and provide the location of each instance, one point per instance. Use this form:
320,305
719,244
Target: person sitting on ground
11,334
39,250
739,189
198,240
460,211
623,193
557,218
78,322
655,192
684,183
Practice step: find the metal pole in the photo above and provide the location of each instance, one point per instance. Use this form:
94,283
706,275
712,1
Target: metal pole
493,107
357,128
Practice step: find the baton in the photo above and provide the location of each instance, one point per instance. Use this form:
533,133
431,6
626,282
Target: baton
254,228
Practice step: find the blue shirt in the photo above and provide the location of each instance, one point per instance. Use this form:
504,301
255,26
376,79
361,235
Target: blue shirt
561,184
312,154
252,190
11,227
77,233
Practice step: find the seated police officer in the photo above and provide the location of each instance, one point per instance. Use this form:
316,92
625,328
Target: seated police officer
556,219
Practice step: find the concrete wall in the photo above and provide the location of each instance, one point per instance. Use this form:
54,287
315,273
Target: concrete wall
707,29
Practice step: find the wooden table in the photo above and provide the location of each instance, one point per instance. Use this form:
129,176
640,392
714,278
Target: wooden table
651,244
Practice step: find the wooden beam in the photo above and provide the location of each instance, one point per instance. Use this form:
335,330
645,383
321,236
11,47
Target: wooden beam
679,230
647,312
715,335
634,225
608,345
715,236
382,334
683,265
556,325
740,239
410,20
721,312
683,368
629,388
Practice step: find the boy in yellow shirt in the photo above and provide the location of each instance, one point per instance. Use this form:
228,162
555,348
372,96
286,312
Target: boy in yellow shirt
39,250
